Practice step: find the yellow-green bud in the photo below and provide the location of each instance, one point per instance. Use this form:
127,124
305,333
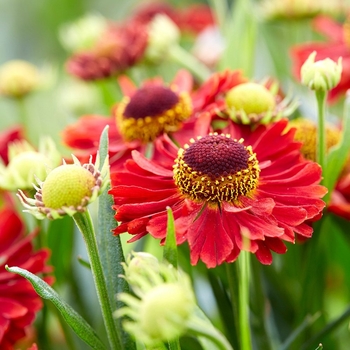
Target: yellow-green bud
252,98
83,33
322,75
68,189
162,304
18,78
66,186
26,163
163,34
165,310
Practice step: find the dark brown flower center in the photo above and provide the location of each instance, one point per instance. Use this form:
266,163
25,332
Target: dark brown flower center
150,101
216,168
151,111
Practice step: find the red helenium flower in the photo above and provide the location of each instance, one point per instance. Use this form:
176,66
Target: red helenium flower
336,46
144,114
340,198
18,300
227,194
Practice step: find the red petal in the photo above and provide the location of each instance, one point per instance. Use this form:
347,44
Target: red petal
208,240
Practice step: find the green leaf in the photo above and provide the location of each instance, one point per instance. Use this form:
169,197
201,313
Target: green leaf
337,157
110,248
74,320
170,248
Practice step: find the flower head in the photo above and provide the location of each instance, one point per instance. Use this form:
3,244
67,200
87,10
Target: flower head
224,190
163,33
143,115
321,75
163,303
67,189
230,95
335,46
119,48
18,300
151,111
306,131
25,162
18,78
83,33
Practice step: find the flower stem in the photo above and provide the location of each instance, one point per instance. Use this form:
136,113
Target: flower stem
243,306
183,57
321,130
84,223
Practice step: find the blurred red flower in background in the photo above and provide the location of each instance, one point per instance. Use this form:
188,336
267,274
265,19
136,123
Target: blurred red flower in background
18,300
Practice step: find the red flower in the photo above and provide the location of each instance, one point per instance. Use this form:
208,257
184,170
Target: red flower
340,198
226,193
144,114
121,47
336,46
18,300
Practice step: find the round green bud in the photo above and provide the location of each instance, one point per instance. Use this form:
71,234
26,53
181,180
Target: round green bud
165,310
67,186
22,168
251,98
321,75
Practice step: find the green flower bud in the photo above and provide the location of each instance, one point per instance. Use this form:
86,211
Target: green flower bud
26,164
163,300
251,98
322,75
68,189
163,34
253,103
83,33
18,78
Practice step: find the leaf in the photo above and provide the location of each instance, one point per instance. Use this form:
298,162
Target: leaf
170,248
110,247
337,157
73,319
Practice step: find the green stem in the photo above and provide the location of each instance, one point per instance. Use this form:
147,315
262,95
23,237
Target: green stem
183,57
243,305
321,131
84,223
232,278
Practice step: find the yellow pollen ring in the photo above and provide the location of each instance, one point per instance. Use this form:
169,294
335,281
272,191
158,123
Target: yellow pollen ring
148,128
199,187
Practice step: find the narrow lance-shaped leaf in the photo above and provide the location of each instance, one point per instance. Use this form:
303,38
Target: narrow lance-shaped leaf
110,247
73,319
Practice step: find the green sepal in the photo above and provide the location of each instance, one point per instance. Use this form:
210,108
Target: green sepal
73,319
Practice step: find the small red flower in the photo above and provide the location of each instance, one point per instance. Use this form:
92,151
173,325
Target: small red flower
337,45
18,300
121,47
144,114
227,193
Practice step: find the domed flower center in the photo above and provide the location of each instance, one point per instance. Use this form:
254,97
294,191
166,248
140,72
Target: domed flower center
306,132
346,31
67,186
216,168
151,111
